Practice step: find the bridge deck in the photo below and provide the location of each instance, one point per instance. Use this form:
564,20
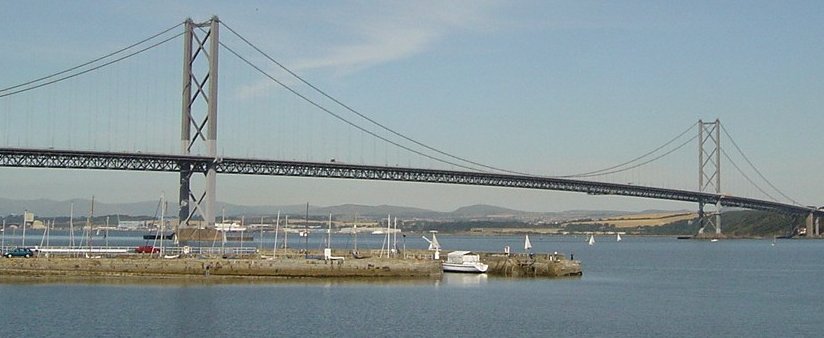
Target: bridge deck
68,159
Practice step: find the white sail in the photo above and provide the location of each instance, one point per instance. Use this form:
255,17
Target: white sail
591,240
527,244
618,238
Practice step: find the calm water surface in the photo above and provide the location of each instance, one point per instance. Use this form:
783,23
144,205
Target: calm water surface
636,287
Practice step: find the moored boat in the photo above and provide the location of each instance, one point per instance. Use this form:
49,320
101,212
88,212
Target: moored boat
464,261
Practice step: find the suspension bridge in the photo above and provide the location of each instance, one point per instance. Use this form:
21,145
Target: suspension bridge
198,162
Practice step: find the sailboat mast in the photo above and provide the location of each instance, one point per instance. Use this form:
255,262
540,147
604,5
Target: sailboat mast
388,231
89,224
355,234
277,228
306,232
107,232
71,225
329,233
286,233
162,223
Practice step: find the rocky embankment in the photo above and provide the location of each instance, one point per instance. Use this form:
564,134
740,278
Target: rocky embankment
537,265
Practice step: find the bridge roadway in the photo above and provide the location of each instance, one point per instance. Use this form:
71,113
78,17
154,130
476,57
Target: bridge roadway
69,159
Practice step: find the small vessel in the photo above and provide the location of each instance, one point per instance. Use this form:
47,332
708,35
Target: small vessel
230,227
464,261
591,240
527,244
618,237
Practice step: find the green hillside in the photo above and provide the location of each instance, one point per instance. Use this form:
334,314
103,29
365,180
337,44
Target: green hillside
736,223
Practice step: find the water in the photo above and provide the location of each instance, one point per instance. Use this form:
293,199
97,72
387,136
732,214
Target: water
637,287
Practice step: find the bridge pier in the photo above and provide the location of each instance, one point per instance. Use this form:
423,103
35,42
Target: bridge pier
183,196
812,226
718,218
704,219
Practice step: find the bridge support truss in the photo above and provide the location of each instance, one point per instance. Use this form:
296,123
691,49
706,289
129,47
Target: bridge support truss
709,172
198,130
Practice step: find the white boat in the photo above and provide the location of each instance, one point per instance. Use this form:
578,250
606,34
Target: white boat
591,240
229,227
527,243
464,261
618,238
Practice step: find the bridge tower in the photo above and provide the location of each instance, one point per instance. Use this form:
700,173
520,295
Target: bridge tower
199,116
709,171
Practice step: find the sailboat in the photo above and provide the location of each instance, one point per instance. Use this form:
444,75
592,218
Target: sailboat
327,253
618,237
527,244
277,229
591,240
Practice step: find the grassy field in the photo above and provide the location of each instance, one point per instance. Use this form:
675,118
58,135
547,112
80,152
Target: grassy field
636,220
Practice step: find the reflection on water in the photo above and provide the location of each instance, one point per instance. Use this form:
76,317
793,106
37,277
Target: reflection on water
464,279
187,280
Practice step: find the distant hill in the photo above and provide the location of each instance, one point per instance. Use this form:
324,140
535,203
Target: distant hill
45,208
484,210
735,222
356,210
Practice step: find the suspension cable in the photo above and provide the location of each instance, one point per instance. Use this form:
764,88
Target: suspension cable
92,61
317,105
643,163
597,172
60,79
756,169
299,78
747,177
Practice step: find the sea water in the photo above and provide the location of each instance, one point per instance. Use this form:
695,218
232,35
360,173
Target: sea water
635,287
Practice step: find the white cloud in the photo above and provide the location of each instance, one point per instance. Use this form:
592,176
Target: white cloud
396,31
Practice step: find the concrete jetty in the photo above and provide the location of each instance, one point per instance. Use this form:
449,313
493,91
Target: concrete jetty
287,264
206,267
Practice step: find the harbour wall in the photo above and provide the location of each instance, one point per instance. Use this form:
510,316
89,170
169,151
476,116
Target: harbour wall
289,263
281,267
535,265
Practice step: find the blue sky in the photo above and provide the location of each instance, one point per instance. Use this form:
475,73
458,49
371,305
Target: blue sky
546,87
